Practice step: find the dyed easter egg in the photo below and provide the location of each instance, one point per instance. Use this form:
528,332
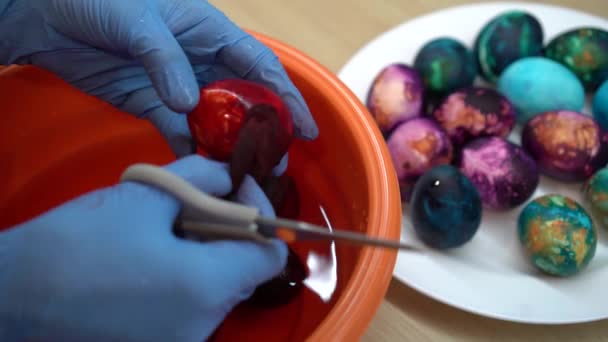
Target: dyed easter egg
446,208
504,173
567,146
445,64
396,95
415,147
596,195
504,39
475,112
585,52
600,105
536,85
557,234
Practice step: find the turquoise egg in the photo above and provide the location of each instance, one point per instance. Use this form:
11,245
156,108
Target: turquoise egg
600,105
557,234
596,195
535,85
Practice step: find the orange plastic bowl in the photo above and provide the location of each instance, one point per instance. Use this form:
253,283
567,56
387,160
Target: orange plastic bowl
57,143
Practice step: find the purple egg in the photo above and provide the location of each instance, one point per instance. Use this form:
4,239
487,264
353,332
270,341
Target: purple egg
504,173
567,145
474,112
416,146
396,95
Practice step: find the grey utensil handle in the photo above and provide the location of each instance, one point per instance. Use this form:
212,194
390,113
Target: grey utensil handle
196,204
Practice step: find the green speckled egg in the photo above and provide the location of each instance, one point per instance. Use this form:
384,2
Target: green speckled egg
445,65
596,195
506,38
585,52
558,235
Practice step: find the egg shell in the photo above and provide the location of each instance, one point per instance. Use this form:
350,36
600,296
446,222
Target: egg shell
415,147
504,173
596,196
446,208
557,234
568,146
584,51
536,85
475,112
445,65
504,39
395,95
600,105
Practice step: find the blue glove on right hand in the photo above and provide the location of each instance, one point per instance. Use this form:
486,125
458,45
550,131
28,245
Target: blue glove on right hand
146,57
107,267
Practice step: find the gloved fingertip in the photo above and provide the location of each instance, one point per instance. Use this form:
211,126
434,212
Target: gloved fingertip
304,124
282,251
275,254
251,194
269,270
246,264
209,176
177,87
247,57
282,166
166,64
174,128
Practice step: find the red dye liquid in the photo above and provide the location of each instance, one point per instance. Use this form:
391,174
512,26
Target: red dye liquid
326,266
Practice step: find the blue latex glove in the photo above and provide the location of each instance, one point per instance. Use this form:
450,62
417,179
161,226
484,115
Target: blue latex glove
143,56
106,266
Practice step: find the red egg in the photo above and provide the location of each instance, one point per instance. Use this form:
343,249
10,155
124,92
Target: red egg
244,123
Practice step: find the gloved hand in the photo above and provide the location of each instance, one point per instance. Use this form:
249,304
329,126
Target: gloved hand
106,266
147,57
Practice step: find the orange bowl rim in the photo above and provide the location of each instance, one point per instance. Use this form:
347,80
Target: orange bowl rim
373,272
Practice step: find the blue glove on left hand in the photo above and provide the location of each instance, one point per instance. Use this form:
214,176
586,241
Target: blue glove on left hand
147,57
107,267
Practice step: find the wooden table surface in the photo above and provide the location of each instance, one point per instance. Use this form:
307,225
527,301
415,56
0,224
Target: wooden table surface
331,31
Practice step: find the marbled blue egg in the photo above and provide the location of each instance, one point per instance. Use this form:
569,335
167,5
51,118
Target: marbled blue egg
446,208
600,105
445,65
535,85
507,37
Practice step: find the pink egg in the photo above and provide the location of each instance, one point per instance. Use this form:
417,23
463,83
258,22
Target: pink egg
396,95
415,147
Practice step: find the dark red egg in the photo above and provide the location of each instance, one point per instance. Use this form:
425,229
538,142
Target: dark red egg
244,123
283,195
281,289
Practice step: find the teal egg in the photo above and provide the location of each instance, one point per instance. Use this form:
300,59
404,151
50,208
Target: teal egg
446,208
557,234
596,195
504,39
600,105
584,51
535,85
445,65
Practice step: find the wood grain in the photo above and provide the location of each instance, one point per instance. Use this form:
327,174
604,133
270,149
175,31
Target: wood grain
331,31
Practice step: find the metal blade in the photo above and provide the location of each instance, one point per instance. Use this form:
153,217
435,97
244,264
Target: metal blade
307,231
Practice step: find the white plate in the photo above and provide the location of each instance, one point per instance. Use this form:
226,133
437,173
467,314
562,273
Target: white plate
489,276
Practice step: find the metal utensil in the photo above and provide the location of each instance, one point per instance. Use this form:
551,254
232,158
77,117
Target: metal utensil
208,217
